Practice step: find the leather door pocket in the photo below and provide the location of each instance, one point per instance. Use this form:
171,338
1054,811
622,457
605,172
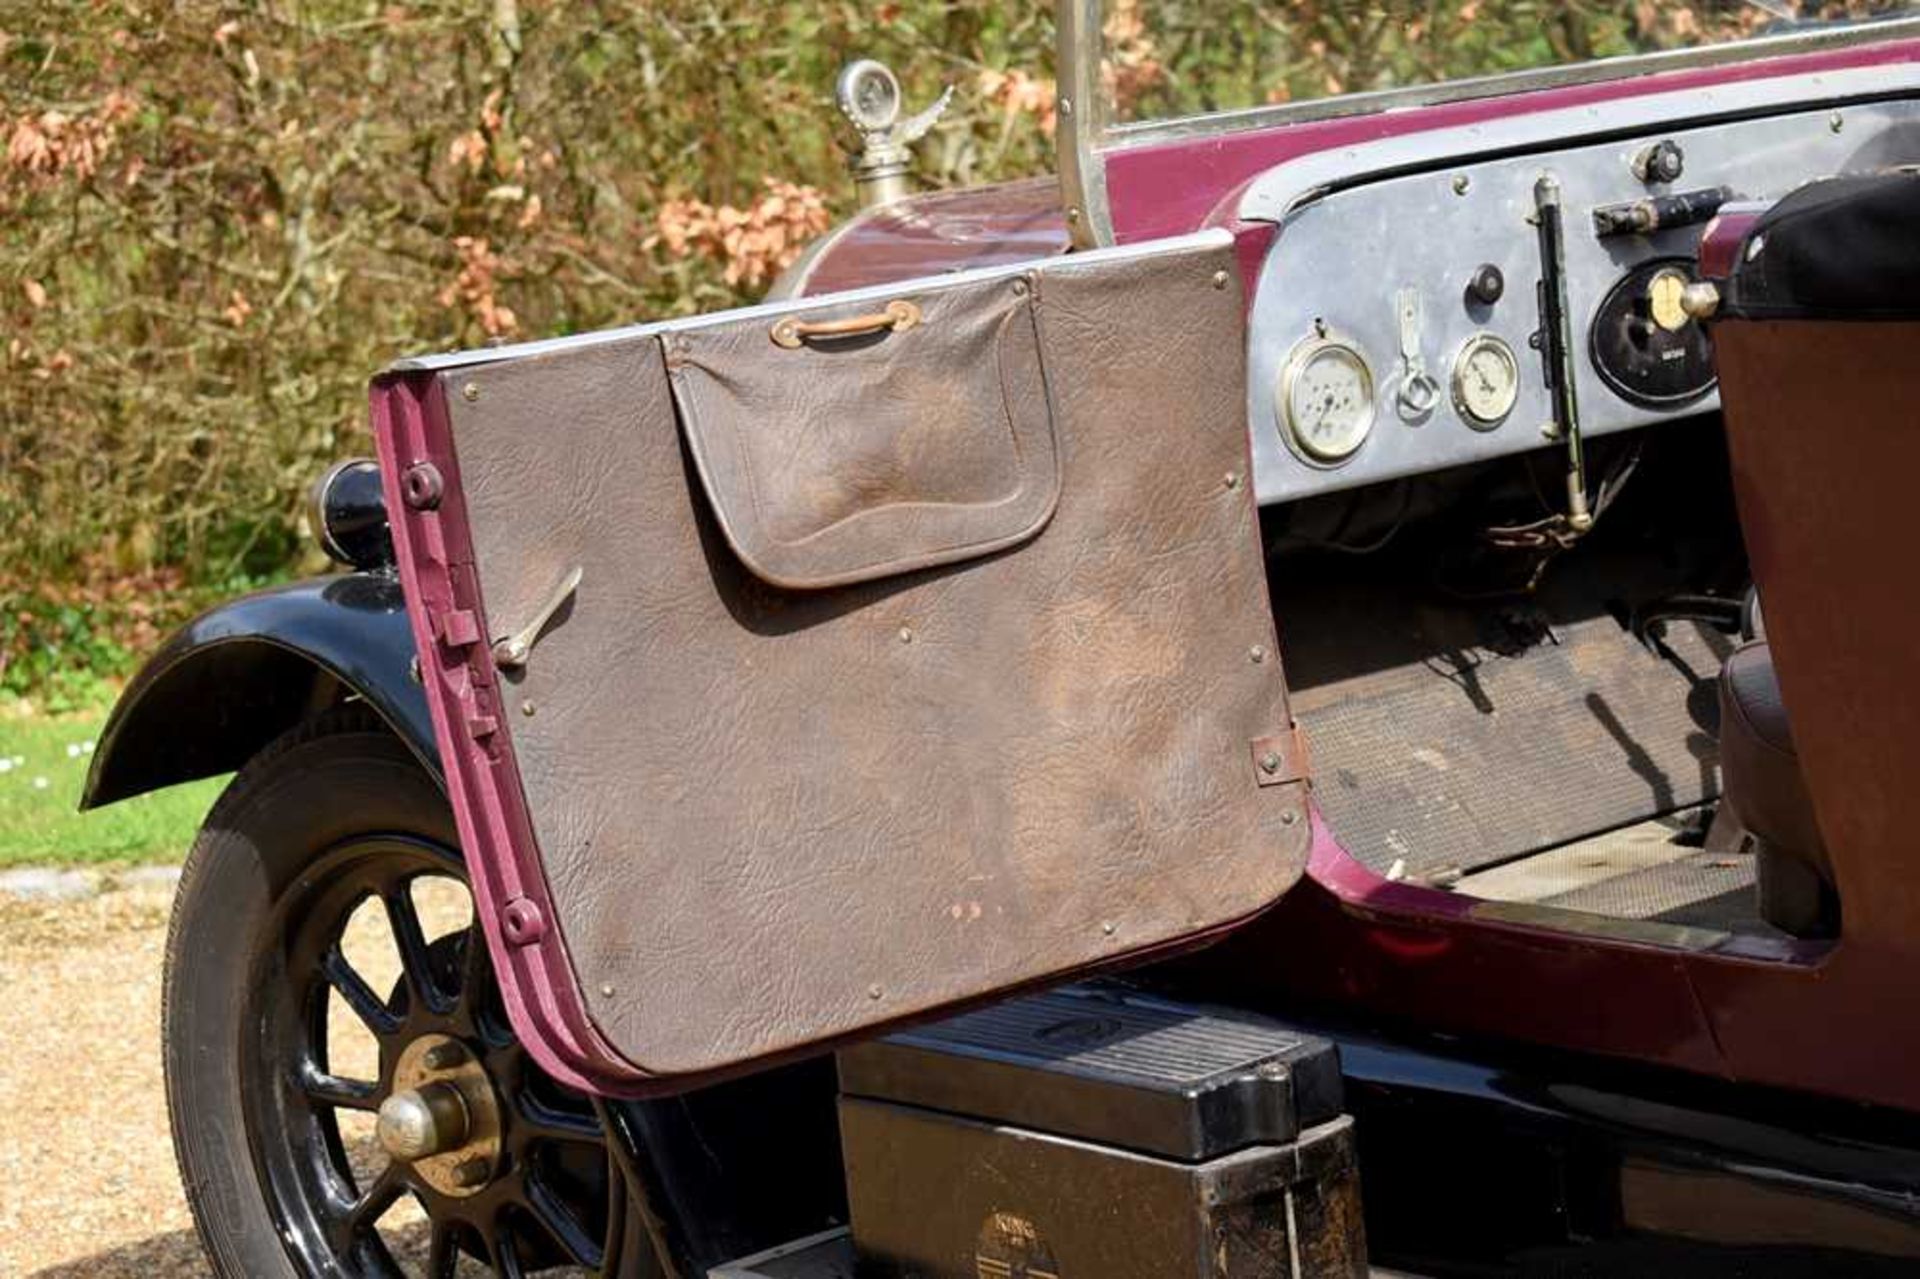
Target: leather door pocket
871,448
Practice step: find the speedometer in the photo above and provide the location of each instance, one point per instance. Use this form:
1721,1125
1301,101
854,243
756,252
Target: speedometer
1325,400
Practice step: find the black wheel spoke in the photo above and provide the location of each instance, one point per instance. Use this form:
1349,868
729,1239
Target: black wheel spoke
415,963
443,1251
543,1122
476,991
565,1228
504,1253
475,970
359,996
375,1200
618,1221
341,1094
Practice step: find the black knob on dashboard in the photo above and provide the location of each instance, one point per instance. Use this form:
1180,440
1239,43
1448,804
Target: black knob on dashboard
1663,161
1486,284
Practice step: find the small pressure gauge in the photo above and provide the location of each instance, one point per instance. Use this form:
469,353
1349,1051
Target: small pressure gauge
1325,399
1486,381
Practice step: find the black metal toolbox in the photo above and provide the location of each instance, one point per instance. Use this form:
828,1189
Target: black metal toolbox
1095,1134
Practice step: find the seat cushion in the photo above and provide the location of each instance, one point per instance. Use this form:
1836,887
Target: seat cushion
1842,249
1759,767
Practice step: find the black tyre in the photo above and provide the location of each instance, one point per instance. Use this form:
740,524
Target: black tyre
283,1042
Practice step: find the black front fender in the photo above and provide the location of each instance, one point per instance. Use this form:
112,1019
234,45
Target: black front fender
237,677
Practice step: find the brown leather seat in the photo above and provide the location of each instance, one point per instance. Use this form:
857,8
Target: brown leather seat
1763,787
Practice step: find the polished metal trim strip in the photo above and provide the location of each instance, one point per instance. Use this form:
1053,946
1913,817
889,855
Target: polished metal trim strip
1213,237
1281,190
1572,75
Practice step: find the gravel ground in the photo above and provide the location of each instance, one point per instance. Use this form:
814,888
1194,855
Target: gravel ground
84,1152
85,1156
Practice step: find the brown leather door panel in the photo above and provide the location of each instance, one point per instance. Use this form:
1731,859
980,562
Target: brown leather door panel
904,667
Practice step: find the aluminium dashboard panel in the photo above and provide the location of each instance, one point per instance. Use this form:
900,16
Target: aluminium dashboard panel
1343,258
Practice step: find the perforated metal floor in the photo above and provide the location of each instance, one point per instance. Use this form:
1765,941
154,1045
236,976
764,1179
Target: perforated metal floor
1688,890
1651,870
1466,757
1573,869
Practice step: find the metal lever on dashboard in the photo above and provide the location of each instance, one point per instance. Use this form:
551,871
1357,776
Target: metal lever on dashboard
1659,212
1556,345
1418,389
510,652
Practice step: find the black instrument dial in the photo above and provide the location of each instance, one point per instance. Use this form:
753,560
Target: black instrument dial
1646,349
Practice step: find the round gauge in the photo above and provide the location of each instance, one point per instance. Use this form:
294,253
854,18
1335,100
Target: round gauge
1486,381
1325,399
1644,345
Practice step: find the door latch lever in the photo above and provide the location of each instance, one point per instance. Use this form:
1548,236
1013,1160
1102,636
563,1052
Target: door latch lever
510,652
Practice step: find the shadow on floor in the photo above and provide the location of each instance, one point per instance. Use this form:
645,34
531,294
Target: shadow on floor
178,1255
167,1256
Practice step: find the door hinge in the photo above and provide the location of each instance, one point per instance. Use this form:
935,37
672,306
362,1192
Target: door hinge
1280,759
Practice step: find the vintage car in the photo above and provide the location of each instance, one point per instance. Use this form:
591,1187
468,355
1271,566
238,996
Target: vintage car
1210,717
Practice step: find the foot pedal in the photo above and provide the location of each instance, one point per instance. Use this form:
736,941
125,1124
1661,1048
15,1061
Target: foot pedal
1096,1132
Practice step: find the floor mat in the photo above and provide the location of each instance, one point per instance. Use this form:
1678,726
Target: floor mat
1436,753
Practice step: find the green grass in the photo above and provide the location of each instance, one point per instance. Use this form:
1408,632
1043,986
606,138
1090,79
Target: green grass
38,822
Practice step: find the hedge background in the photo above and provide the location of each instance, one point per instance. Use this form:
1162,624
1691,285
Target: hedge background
218,219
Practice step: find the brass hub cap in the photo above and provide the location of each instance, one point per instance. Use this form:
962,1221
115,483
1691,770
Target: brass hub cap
423,1121
442,1116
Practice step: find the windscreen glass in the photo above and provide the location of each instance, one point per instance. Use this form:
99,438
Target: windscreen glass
1176,58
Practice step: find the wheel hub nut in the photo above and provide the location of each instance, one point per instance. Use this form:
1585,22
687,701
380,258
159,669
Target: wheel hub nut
472,1174
422,1121
442,1116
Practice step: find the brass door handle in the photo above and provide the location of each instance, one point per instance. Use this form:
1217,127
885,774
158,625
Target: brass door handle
792,331
510,652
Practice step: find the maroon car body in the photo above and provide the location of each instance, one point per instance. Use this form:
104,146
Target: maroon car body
1543,1078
